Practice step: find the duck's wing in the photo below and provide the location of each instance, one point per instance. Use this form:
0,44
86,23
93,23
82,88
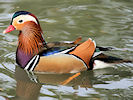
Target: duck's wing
74,43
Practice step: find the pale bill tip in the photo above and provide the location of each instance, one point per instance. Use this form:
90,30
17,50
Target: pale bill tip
4,31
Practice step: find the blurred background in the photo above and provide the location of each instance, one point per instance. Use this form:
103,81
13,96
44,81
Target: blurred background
108,22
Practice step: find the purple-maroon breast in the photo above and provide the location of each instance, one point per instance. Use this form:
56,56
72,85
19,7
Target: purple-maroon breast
21,58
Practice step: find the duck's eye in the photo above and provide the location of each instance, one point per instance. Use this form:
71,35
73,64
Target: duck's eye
20,21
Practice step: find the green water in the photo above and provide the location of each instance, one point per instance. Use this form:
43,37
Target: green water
109,22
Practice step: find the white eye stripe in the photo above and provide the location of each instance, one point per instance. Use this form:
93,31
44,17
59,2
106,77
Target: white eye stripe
25,18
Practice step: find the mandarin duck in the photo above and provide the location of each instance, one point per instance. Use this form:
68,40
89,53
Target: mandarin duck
32,56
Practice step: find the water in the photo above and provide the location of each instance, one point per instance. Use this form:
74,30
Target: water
109,22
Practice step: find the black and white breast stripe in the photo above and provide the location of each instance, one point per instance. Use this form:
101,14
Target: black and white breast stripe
32,63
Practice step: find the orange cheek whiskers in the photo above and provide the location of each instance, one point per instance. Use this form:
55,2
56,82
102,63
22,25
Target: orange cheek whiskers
30,38
30,45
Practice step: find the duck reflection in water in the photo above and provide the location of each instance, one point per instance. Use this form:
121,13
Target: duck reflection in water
28,86
25,88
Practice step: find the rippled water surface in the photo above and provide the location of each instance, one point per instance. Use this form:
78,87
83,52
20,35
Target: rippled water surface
109,22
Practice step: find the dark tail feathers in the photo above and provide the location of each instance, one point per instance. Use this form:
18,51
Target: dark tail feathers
107,60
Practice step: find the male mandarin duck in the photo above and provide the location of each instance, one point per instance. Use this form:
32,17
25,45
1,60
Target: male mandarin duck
32,56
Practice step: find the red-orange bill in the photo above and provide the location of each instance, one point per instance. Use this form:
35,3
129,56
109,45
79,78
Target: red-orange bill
9,29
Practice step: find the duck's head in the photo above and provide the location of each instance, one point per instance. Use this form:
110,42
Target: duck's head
20,19
30,38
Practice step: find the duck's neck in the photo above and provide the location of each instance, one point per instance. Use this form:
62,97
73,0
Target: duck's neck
30,42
